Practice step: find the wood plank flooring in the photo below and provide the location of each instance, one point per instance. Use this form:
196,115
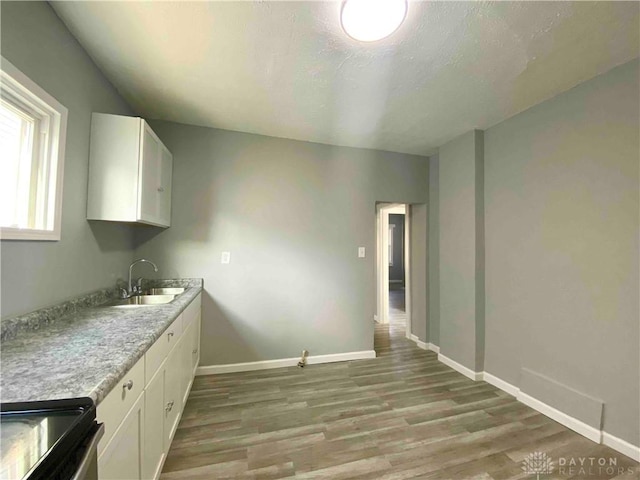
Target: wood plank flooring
402,415
397,309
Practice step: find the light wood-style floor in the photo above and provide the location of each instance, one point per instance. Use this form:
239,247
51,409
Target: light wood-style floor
397,310
402,415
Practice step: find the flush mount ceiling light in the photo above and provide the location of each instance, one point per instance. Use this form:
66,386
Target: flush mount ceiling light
371,20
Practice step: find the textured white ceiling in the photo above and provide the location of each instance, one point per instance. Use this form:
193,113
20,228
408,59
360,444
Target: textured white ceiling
286,69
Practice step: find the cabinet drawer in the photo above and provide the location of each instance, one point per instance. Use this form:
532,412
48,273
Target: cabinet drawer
161,348
119,401
191,312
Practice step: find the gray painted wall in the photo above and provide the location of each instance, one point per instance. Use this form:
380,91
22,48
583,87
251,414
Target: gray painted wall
292,214
419,275
433,216
562,281
88,257
459,194
396,271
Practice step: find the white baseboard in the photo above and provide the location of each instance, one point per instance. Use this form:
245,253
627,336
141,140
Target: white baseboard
283,362
621,446
418,342
422,345
501,384
433,347
467,372
568,421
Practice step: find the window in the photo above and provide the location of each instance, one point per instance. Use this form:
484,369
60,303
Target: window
32,138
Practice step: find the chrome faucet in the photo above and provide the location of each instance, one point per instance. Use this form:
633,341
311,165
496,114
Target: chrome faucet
133,289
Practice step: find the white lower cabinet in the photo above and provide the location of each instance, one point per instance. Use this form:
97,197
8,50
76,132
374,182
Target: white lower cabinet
186,371
195,358
172,394
137,443
122,458
154,449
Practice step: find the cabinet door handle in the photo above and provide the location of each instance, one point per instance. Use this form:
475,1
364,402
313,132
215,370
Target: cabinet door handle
160,189
170,334
195,350
169,406
128,385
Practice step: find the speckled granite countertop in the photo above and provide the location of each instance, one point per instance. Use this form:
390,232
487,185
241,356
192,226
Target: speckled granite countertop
87,352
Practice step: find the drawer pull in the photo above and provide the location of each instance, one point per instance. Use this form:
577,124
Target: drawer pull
128,385
169,406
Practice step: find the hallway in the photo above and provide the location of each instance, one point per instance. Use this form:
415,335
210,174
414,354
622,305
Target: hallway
397,306
402,415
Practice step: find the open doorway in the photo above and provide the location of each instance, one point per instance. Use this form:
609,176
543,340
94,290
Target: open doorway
392,266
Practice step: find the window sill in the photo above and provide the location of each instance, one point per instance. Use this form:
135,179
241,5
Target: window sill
8,233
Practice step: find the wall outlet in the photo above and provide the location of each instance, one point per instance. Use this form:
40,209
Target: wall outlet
225,258
361,252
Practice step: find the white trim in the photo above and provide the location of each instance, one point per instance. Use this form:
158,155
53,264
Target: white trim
467,372
407,265
568,421
417,341
622,446
384,264
57,114
283,362
501,384
433,347
382,261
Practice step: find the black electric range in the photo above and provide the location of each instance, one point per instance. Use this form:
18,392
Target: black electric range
53,439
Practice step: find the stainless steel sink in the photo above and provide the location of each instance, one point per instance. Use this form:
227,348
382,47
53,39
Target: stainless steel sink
163,291
142,301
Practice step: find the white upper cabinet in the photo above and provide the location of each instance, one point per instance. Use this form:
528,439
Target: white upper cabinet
129,172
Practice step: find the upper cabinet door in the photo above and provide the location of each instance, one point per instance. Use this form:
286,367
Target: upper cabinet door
164,192
150,181
129,172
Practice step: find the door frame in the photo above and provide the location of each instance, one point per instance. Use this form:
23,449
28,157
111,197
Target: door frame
382,260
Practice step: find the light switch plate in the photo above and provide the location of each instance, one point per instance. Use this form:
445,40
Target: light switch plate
361,252
225,258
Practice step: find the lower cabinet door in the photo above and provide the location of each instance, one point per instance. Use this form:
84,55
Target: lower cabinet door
186,359
154,406
172,393
122,457
195,358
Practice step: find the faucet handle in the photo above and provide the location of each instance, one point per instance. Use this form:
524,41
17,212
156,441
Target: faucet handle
137,286
124,293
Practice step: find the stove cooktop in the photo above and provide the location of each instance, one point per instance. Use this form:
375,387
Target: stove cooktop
37,437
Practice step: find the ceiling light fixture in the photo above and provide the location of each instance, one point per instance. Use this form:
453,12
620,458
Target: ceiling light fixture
371,20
